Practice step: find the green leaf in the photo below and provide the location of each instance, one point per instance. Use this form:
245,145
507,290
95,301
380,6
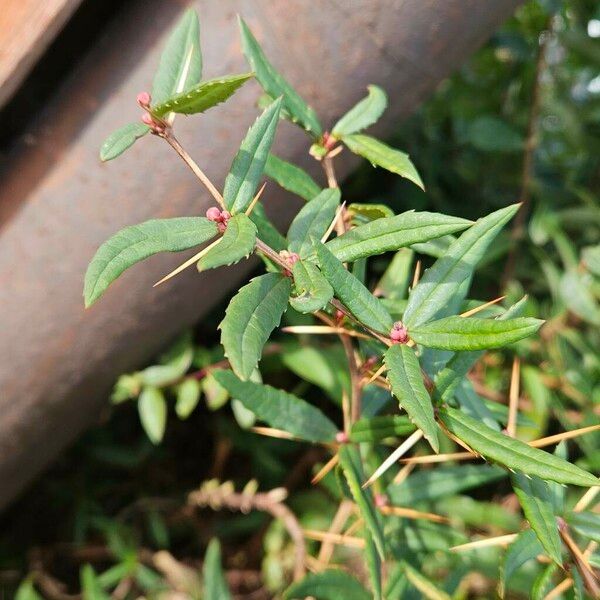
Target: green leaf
90,586
511,452
275,85
406,379
267,232
174,364
188,396
491,134
578,296
121,139
291,178
395,279
332,584
248,164
215,586
382,155
237,243
536,501
203,96
586,524
458,333
590,257
279,409
313,291
441,283
250,318
373,561
426,587
543,582
363,114
180,65
351,464
312,221
376,429
355,296
137,242
364,213
441,482
384,235
525,548
152,408
27,591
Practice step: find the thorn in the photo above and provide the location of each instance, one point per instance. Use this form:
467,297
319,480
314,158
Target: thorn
377,373
255,199
325,469
501,540
513,402
416,276
475,310
334,538
333,223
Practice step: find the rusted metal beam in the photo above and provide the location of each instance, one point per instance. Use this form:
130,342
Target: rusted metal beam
57,203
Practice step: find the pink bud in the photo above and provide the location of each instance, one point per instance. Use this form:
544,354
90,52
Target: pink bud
144,99
398,333
380,500
147,119
225,215
293,258
339,315
341,437
213,214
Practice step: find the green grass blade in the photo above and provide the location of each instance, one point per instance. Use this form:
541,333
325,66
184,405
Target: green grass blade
332,584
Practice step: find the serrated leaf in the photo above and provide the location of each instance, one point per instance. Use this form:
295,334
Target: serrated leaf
441,283
248,165
406,379
525,548
203,96
291,178
373,561
351,464
215,586
188,396
279,409
275,85
511,452
586,524
376,429
152,408
313,291
385,235
457,333
250,318
536,501
364,213
180,65
426,587
312,221
137,242
238,242
382,155
121,139
332,584
442,482
363,114
543,582
355,296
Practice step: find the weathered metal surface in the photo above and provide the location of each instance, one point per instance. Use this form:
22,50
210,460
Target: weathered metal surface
57,203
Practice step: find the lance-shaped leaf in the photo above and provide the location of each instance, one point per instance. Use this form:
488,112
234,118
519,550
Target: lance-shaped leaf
365,213
525,548
373,561
457,333
424,585
511,452
406,379
376,429
215,586
237,242
180,65
313,291
250,318
442,482
312,221
384,235
356,297
275,85
351,464
363,114
444,279
121,139
332,584
249,163
267,232
536,501
279,409
291,178
152,408
203,96
137,242
382,155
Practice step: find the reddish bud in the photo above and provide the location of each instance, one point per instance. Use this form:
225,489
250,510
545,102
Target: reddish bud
398,333
339,315
380,500
148,120
225,215
144,99
294,258
213,214
341,437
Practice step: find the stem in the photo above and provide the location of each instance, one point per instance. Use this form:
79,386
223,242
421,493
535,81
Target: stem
189,161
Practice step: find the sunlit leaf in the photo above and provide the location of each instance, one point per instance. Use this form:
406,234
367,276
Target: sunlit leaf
332,584
121,139
363,114
152,408
291,178
375,429
188,396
